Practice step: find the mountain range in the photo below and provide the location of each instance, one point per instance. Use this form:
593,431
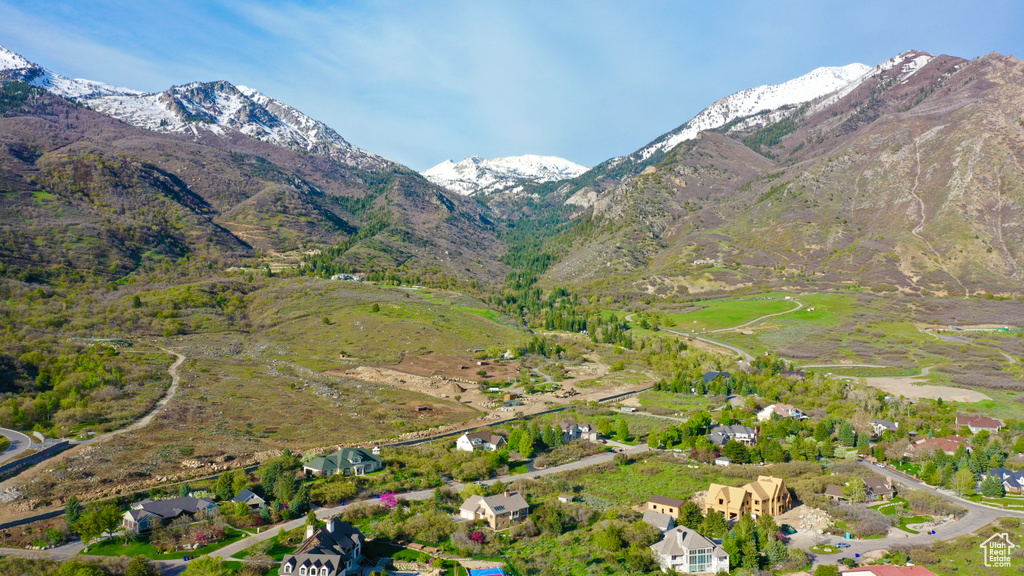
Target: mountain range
476,175
902,176
99,179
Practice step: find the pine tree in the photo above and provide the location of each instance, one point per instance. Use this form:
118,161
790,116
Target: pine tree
992,487
847,436
526,446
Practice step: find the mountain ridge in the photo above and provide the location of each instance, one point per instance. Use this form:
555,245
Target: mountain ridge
476,175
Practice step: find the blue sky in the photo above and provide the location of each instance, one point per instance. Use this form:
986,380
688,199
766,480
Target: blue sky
420,82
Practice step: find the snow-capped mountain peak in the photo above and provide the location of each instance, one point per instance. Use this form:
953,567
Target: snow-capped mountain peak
476,175
197,108
815,84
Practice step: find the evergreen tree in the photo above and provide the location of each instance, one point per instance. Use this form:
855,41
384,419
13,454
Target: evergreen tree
525,447
847,436
185,490
690,515
622,431
992,487
930,474
72,511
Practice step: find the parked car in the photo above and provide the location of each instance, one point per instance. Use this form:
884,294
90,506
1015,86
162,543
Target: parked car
787,529
842,545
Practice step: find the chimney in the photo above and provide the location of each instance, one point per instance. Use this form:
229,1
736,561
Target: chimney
309,531
331,525
507,493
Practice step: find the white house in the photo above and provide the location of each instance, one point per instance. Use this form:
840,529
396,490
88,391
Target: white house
783,410
480,441
685,551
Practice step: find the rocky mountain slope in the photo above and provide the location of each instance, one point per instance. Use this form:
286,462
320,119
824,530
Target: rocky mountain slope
909,178
476,175
84,194
198,109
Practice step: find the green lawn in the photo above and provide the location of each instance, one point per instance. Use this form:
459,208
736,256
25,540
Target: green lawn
824,549
144,548
1008,501
637,482
904,520
727,313
518,467
277,551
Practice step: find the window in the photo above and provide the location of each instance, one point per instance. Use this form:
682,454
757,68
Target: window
286,569
302,571
323,571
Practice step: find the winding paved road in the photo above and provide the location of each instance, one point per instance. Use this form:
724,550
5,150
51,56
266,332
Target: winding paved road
19,443
977,517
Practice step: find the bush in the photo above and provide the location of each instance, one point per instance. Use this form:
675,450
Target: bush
926,503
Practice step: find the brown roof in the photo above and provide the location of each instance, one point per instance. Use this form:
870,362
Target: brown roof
666,501
890,570
834,490
946,444
979,422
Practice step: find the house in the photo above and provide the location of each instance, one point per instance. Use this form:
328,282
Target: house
250,499
480,441
948,444
573,431
979,423
665,505
710,377
722,461
566,498
347,462
331,550
888,570
783,410
686,551
878,488
766,495
720,435
834,492
149,514
1012,481
663,522
879,426
499,511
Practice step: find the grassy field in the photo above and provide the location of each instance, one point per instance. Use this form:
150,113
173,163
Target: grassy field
672,403
636,483
143,548
717,314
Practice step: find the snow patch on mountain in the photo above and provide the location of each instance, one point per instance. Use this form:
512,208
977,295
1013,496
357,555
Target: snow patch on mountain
215,107
815,84
476,175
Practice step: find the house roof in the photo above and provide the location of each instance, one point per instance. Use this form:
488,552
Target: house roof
485,437
946,444
666,501
877,482
887,424
1009,477
342,459
497,504
709,376
766,487
834,490
246,495
660,521
334,538
174,507
680,540
889,570
979,422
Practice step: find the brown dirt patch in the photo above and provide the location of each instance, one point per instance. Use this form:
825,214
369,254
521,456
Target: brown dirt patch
455,367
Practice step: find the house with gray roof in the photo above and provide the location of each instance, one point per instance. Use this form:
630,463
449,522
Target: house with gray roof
332,550
471,441
721,435
250,499
148,514
879,426
663,522
347,462
1012,481
499,511
686,551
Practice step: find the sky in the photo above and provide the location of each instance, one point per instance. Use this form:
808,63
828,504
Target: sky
422,82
